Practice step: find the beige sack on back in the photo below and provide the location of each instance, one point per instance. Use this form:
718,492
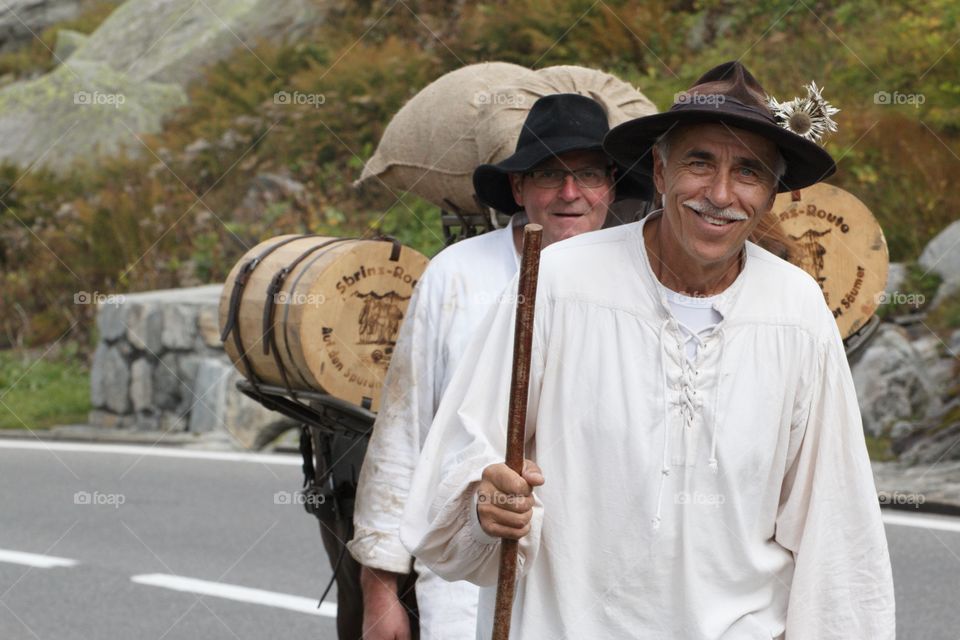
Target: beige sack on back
473,116
498,139
430,145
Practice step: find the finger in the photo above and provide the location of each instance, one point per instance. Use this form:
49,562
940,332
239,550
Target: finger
506,480
532,473
499,531
509,519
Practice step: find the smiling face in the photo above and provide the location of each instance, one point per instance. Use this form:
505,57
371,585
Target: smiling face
570,209
717,183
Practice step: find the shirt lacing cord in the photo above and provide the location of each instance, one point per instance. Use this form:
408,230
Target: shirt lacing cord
687,400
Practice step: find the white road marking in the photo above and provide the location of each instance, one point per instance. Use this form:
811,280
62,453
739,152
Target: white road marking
238,593
35,559
160,451
921,521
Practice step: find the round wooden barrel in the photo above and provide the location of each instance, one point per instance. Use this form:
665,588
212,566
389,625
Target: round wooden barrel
335,312
840,244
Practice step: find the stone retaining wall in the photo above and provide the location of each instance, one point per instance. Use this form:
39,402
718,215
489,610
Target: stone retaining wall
160,365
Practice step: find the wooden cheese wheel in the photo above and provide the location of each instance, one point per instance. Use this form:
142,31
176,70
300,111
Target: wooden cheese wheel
841,245
335,317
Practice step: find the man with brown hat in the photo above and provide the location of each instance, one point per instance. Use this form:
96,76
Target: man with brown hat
558,177
696,461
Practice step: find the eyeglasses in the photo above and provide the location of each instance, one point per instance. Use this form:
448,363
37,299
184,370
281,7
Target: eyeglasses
588,177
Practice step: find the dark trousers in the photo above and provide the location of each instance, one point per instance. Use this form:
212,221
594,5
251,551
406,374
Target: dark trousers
344,455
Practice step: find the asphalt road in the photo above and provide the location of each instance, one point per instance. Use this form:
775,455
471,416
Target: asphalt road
123,530
220,521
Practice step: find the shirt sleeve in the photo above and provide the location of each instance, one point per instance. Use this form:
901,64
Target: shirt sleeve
469,433
829,516
406,412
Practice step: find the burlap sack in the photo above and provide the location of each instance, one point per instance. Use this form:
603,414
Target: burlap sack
498,138
473,116
430,146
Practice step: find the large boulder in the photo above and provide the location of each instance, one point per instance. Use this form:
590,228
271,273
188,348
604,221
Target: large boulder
171,41
130,73
78,111
892,382
941,256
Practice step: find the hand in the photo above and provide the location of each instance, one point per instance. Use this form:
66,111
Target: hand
384,616
505,499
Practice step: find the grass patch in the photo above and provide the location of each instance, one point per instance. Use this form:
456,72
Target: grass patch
38,392
879,449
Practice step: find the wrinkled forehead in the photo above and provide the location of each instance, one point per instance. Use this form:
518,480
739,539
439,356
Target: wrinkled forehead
575,160
720,140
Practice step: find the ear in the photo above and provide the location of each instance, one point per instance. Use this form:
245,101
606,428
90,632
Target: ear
516,186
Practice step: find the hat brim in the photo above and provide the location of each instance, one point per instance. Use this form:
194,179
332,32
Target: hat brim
491,182
631,144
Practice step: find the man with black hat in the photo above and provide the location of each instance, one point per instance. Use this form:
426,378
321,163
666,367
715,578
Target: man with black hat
696,461
558,177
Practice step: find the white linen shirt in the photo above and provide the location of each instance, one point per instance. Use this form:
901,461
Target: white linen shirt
454,294
730,497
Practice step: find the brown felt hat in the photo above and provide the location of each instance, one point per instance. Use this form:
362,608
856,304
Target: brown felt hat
727,94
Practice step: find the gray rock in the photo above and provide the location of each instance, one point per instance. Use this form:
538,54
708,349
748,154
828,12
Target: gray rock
207,412
903,429
68,41
941,254
80,110
896,275
172,40
249,422
169,389
208,324
130,73
891,382
111,319
141,385
144,326
22,20
109,420
953,345
934,445
98,396
110,381
266,190
179,326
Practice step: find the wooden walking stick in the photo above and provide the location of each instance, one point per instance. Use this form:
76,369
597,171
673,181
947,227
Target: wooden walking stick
517,417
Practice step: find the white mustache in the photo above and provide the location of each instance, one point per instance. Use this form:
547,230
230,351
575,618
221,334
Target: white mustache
728,213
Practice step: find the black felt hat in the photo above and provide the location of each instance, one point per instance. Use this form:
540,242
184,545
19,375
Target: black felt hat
556,124
730,95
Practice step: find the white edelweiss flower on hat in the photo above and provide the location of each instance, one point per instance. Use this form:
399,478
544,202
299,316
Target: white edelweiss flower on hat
807,117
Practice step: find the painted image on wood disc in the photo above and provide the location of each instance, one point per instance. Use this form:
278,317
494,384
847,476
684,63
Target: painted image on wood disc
841,245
